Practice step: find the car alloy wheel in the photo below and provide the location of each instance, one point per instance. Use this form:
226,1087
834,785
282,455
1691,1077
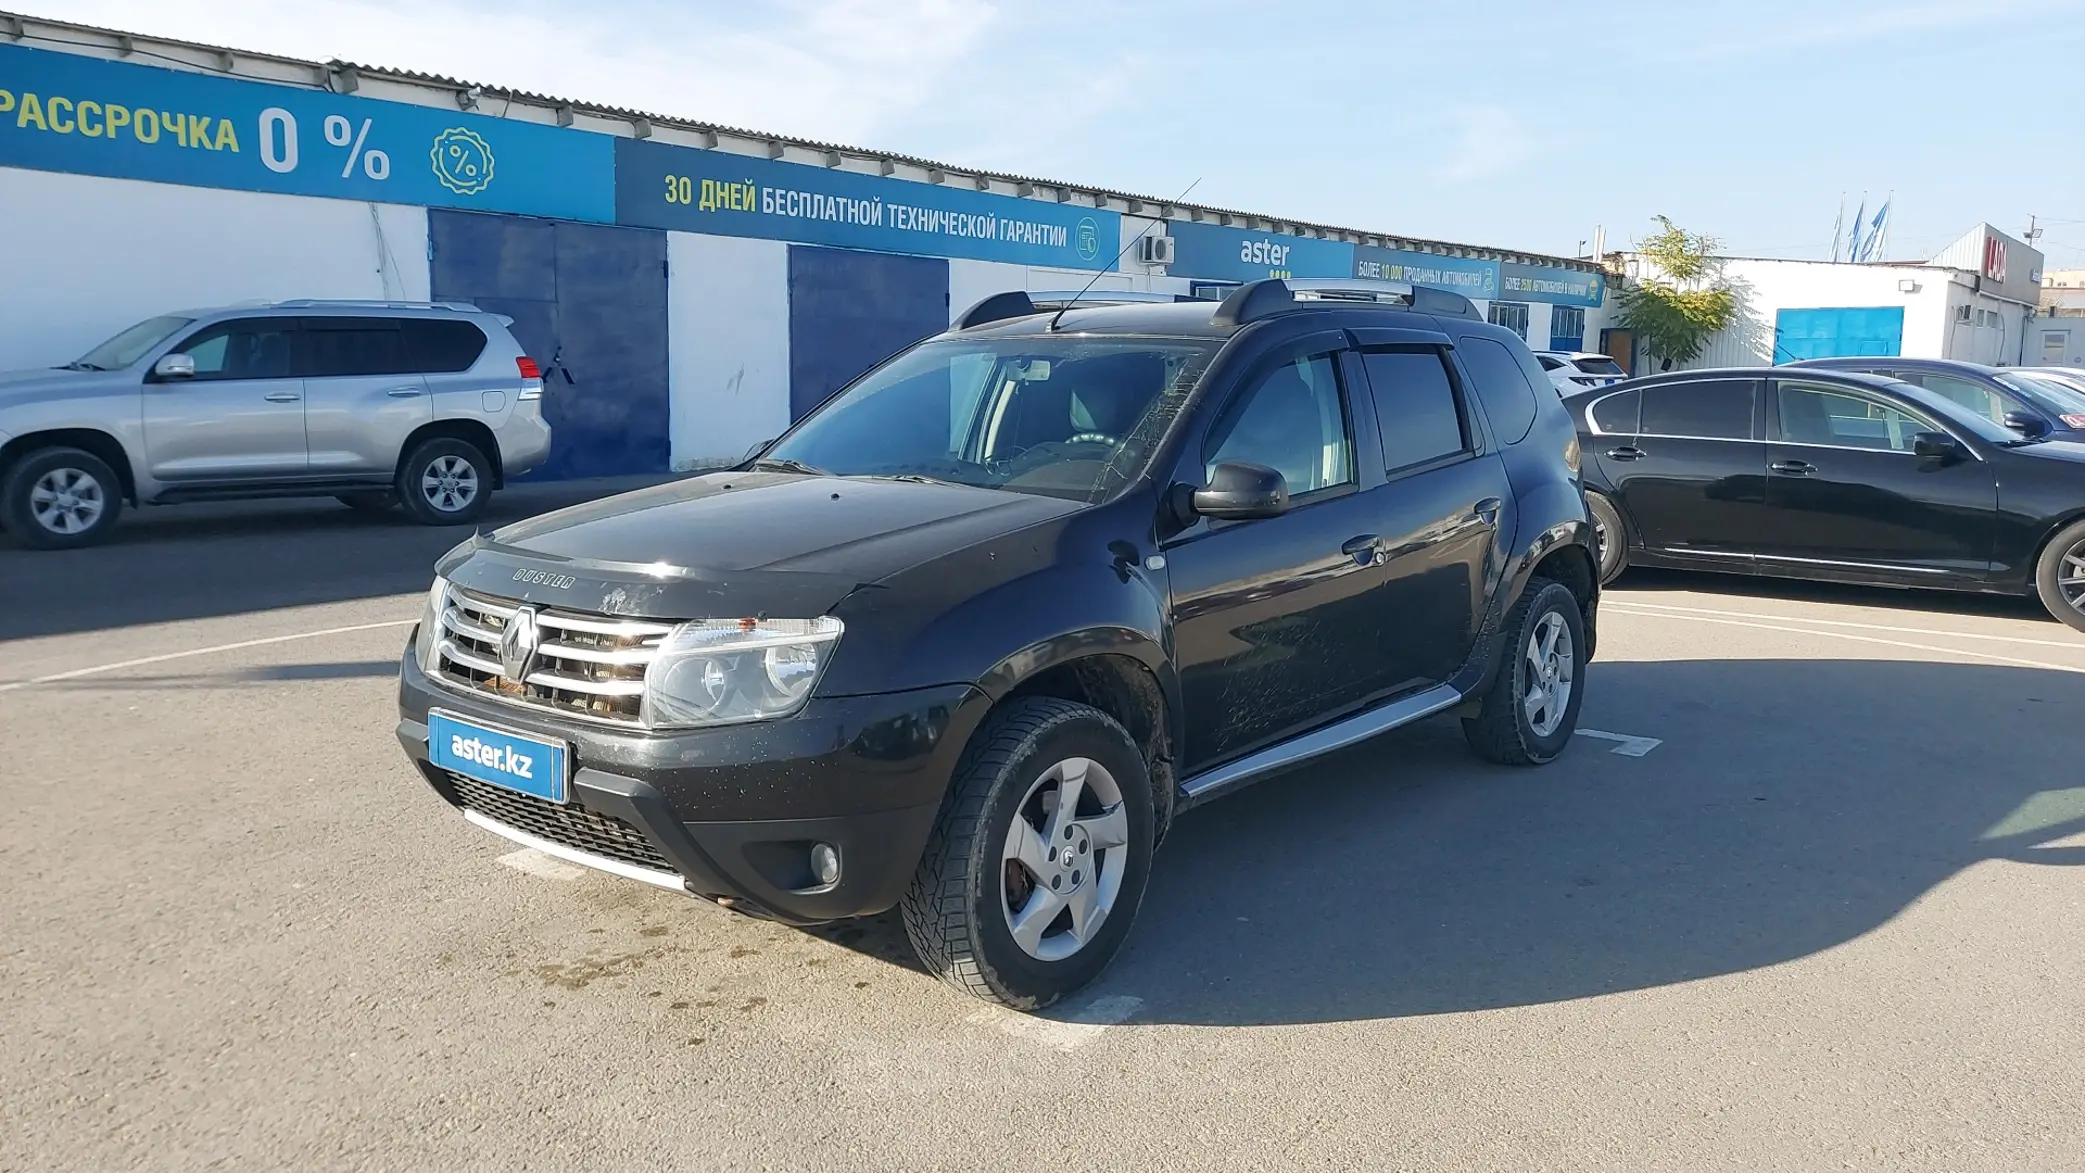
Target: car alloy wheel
1064,859
1550,675
449,484
67,501
2070,577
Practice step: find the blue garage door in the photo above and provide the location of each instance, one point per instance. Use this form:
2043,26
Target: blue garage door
1800,334
850,310
589,304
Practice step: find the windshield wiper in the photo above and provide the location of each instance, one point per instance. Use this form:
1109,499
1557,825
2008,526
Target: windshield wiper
775,464
81,366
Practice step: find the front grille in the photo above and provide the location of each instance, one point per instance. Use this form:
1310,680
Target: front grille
567,824
585,665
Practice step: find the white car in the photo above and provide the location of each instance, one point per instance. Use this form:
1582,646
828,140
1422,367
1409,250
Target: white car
1575,370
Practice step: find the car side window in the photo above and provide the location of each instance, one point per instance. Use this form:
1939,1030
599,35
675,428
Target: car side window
1293,421
1417,410
1838,418
339,347
1710,409
1988,402
243,348
1503,385
1618,414
441,346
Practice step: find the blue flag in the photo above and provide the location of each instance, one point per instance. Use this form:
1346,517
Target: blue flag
1853,247
1874,247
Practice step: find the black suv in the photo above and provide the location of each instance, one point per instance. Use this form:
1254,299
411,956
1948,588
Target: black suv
971,635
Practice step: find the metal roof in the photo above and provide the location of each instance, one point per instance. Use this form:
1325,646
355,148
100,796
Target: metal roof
325,74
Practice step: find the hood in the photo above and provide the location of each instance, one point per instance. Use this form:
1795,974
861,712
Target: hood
41,383
737,544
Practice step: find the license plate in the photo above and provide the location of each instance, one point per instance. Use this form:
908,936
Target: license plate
528,765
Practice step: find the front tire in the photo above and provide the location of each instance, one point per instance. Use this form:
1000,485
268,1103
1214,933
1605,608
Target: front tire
445,482
1022,897
1610,537
1531,712
60,499
2059,577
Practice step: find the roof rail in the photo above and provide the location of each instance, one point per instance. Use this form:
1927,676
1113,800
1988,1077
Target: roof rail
1015,304
463,307
1263,299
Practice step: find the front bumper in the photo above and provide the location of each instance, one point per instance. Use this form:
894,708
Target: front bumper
729,814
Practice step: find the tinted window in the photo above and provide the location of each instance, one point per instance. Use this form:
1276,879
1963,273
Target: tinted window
334,347
1617,415
1294,422
1987,402
1818,414
1717,410
435,346
1415,406
1503,385
1548,363
1600,366
244,348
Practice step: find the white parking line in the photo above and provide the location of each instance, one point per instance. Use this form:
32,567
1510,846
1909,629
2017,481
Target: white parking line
1785,629
535,863
1078,1026
2074,645
1629,747
141,662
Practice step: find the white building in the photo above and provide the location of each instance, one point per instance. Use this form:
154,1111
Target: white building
1975,301
697,286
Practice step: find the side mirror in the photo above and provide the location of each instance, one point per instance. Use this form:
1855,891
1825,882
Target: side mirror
2027,424
1937,446
174,366
1241,491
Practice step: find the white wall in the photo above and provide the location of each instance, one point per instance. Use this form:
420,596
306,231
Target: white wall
1764,288
727,318
84,257
2070,334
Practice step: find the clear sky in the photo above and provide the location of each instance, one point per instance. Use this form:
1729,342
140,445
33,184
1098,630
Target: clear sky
1519,123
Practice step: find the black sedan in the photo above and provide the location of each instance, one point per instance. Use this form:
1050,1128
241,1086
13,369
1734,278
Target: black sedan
1830,475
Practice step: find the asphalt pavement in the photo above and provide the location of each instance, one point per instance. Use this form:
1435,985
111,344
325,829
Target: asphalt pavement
1816,902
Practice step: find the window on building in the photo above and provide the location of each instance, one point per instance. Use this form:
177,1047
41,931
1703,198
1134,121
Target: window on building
1416,408
1566,327
1513,315
2054,343
1712,409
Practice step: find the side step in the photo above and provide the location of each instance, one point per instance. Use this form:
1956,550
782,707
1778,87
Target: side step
1318,742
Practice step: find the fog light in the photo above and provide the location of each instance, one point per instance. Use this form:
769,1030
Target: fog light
825,863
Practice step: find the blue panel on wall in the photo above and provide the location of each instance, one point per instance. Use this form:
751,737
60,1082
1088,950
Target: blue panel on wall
1831,333
1470,276
589,305
1518,282
1218,253
850,310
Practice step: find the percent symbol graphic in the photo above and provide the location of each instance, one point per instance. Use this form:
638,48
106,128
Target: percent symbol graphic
342,133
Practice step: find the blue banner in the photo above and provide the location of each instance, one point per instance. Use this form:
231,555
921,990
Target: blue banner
87,116
1558,286
1475,279
1216,253
688,189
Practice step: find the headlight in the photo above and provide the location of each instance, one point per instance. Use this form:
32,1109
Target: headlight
431,623
722,671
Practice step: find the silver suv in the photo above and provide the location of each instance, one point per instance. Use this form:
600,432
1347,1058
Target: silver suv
428,406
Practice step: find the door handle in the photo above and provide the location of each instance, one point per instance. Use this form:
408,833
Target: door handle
402,392
283,397
1793,468
1626,452
1365,550
1488,511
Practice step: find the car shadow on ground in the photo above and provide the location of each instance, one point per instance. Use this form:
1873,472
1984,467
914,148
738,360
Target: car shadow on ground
1794,806
201,561
1745,586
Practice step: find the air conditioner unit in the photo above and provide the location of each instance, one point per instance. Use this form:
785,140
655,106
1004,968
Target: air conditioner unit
1155,250
1961,313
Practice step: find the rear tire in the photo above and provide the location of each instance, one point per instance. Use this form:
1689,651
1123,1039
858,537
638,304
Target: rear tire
60,499
1611,538
2059,577
445,482
1001,857
1531,712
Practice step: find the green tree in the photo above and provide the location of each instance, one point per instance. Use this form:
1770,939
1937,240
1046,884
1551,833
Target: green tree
1681,300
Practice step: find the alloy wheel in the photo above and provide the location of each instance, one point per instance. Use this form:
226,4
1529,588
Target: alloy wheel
450,484
67,501
1064,858
2070,577
1551,673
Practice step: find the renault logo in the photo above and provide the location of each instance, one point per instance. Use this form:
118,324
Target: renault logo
518,645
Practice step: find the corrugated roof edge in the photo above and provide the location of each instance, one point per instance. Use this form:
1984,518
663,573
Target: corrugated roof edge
18,26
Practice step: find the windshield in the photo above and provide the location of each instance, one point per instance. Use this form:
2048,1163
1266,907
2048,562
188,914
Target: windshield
129,346
2054,391
1062,416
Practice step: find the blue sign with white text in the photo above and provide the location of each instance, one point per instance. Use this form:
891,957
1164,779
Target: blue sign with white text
689,189
525,764
1475,279
1559,286
1217,253
87,116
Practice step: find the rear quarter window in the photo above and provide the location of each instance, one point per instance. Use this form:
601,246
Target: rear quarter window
1505,385
440,346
